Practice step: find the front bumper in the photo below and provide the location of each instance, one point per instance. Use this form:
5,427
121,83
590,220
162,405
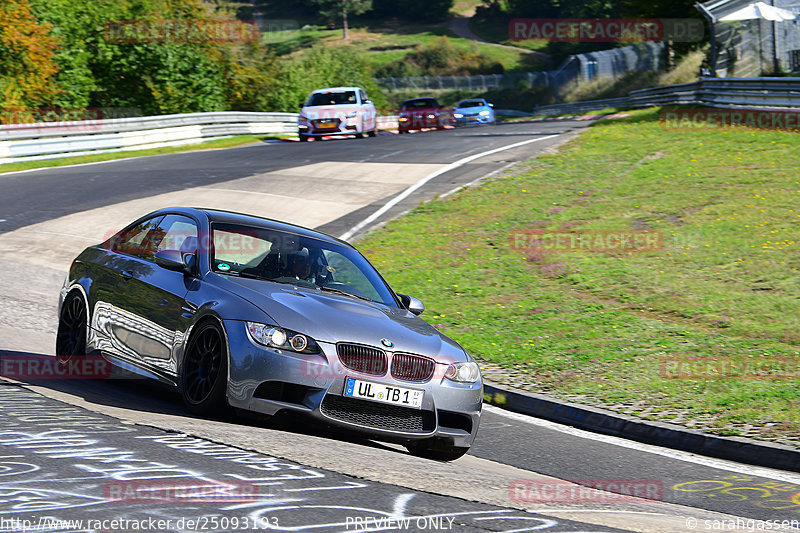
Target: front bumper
408,123
474,119
320,128
268,380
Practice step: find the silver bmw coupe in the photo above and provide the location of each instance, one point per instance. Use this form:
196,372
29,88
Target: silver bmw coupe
235,310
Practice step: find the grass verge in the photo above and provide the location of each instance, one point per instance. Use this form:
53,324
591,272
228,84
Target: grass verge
60,162
603,327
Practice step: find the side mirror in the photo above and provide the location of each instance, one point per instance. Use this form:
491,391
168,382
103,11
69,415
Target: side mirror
301,106
491,105
175,260
412,304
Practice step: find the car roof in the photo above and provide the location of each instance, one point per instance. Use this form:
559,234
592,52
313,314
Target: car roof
232,217
471,100
337,89
419,98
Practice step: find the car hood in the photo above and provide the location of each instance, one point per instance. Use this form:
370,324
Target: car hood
329,317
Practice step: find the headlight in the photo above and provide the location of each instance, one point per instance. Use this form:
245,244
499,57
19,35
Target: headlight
458,115
484,112
284,339
431,116
467,372
403,119
302,118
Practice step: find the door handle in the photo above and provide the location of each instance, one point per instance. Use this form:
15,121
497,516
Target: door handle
126,274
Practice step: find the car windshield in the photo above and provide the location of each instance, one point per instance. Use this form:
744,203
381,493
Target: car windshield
471,103
283,257
418,104
332,98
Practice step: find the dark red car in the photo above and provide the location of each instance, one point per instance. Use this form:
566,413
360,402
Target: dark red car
422,113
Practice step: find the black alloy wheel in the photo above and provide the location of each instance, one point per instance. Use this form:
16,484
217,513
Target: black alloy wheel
205,370
72,324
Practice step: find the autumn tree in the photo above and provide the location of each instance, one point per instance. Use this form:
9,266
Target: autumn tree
27,68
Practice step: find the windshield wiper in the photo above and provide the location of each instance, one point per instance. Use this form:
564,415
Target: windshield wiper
255,276
340,291
249,275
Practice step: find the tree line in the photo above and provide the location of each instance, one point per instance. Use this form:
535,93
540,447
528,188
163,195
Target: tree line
154,56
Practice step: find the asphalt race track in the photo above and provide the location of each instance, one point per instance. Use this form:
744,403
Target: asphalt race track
93,451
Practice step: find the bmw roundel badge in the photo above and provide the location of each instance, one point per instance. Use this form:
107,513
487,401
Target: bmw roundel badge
387,343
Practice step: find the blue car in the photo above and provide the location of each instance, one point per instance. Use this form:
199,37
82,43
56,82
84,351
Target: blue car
474,111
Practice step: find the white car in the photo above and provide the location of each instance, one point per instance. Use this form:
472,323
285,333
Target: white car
337,111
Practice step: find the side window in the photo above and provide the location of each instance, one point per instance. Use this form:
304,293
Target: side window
364,97
174,232
129,241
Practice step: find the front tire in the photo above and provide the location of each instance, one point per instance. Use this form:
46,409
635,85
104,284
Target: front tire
72,328
303,138
436,450
204,377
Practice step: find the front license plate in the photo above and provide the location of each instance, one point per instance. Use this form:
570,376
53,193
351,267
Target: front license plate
327,124
378,392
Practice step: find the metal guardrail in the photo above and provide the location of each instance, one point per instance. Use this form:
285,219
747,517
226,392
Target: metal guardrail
715,92
48,140
45,140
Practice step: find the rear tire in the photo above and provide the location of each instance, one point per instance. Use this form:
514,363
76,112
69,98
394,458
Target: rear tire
72,328
373,133
436,450
204,376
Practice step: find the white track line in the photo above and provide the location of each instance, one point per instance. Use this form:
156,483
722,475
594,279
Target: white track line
58,167
405,194
710,462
